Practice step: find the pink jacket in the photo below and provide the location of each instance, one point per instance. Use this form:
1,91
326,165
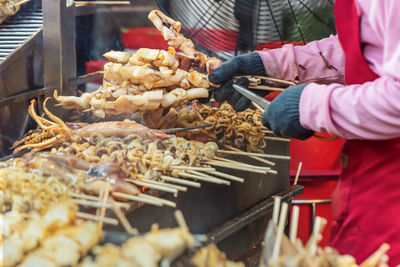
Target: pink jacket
367,111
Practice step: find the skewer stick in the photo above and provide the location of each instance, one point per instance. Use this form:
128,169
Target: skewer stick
242,164
87,203
267,88
80,197
198,177
376,257
164,201
267,131
192,168
84,3
235,167
177,187
273,138
103,200
294,224
180,181
180,219
253,157
217,180
122,218
138,199
258,106
298,173
227,176
275,80
254,154
279,234
154,186
20,3
277,206
92,217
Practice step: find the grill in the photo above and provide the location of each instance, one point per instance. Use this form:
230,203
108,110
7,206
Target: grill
18,30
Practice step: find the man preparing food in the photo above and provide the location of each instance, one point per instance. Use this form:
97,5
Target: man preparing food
365,111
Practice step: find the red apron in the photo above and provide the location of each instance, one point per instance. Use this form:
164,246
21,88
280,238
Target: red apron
366,203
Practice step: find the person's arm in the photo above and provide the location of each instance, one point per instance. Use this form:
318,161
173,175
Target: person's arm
367,111
318,61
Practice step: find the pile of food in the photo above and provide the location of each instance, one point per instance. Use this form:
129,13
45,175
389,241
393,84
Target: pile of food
55,238
280,250
211,256
149,79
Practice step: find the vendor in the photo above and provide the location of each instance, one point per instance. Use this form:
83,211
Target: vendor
361,104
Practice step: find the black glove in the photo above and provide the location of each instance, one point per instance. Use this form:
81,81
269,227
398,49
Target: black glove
247,64
283,116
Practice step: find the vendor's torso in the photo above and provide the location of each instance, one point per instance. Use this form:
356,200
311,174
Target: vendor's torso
366,202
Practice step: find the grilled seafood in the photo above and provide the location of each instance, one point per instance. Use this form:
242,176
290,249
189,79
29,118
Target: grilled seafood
56,132
211,256
239,129
143,159
170,30
142,251
149,79
27,235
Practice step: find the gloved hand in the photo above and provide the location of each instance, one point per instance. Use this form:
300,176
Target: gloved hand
283,116
247,64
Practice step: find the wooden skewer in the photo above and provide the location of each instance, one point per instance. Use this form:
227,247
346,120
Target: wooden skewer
20,3
279,234
255,154
192,168
376,257
92,217
217,180
253,157
235,167
83,202
242,164
154,186
277,206
298,173
81,197
104,194
294,224
199,177
138,199
122,218
227,176
267,88
84,3
275,80
180,219
267,131
177,187
164,201
258,106
180,181
273,138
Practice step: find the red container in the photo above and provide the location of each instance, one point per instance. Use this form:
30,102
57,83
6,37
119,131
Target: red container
95,65
136,38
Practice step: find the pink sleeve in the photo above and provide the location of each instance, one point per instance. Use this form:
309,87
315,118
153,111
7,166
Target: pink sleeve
319,61
370,110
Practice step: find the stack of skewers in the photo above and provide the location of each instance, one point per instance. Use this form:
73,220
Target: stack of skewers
280,250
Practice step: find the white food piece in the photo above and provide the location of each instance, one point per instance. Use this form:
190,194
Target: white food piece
197,93
118,56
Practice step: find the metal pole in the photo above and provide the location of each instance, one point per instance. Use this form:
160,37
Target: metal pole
58,45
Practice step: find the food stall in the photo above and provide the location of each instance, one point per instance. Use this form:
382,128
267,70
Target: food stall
225,194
